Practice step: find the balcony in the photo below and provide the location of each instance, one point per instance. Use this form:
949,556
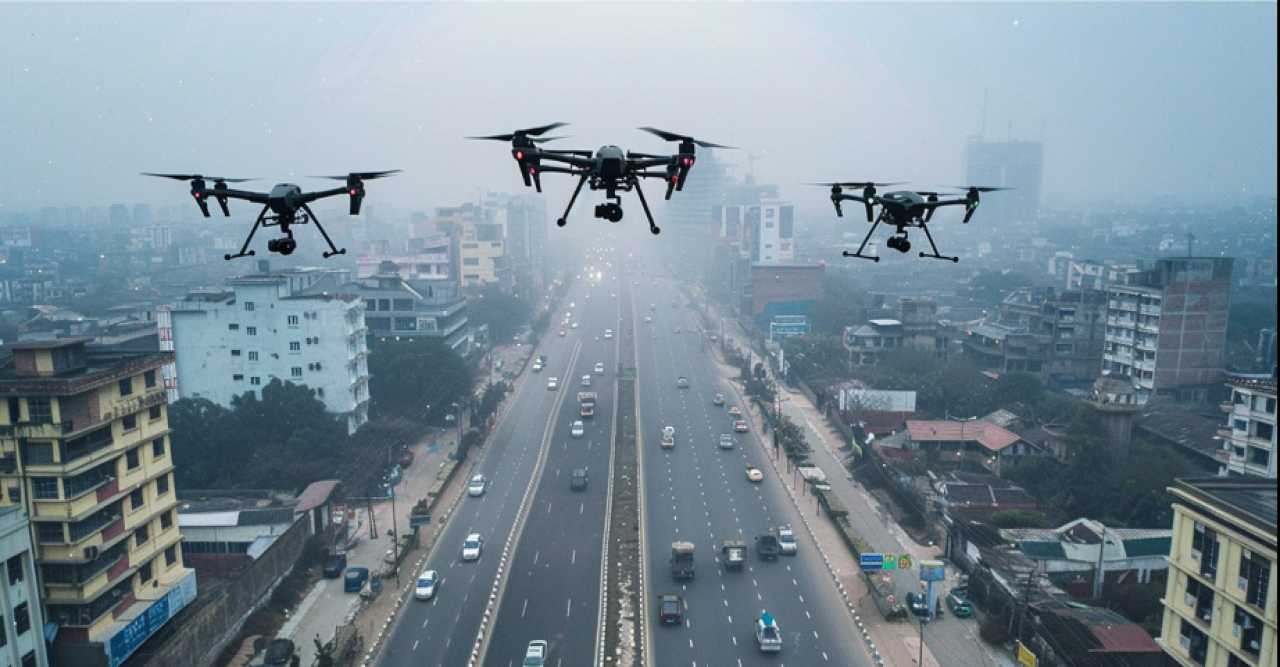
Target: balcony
34,431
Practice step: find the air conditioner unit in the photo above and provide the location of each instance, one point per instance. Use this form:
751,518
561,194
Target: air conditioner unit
90,553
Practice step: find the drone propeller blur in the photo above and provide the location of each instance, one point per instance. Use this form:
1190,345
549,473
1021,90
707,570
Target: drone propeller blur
903,209
608,168
284,206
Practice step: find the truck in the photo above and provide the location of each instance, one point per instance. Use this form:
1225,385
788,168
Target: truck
682,560
587,399
786,541
668,437
767,634
536,654
733,554
767,546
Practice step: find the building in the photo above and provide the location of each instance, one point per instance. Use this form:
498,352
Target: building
1007,164
1167,328
84,437
1220,602
769,231
305,326
866,342
395,306
774,291
1084,556
1056,336
21,620
1249,437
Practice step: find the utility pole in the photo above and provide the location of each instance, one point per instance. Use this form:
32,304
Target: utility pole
1026,600
1099,574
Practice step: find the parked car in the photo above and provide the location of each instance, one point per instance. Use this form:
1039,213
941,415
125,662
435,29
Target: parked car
918,605
472,546
355,579
334,565
426,588
959,606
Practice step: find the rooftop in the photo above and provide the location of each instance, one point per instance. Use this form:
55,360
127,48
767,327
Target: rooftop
990,436
1249,498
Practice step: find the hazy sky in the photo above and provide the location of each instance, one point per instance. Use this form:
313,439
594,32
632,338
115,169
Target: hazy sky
1129,99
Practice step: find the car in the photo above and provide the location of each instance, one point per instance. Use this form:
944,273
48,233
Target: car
682,382
573,326
537,365
586,380
355,579
653,306
918,605
578,481
576,429
958,605
553,383
334,565
647,319
740,426
536,654
562,332
573,305
568,315
426,588
477,486
718,399
677,330
787,541
735,410
754,474
600,369
670,608
472,547
726,441
608,333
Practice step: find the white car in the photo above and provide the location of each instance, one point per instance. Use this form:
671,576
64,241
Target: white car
608,333
586,380
553,383
477,486
576,429
472,546
426,588
600,369
573,326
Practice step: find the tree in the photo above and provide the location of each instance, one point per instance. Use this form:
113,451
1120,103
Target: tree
417,379
504,313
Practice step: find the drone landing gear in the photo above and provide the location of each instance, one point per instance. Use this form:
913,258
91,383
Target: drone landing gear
862,247
286,245
640,193
933,255
564,219
611,211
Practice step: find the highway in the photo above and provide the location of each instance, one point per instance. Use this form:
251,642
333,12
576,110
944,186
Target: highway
699,493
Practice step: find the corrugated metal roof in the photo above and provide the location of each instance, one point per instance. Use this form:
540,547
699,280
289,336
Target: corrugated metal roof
208,519
1043,550
315,494
1148,546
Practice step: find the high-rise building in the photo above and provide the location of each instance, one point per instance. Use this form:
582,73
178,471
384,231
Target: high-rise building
1167,328
1249,437
1220,600
20,599
305,326
84,437
1007,164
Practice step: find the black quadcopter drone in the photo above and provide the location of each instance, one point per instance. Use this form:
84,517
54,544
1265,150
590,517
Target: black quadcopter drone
608,168
284,206
903,209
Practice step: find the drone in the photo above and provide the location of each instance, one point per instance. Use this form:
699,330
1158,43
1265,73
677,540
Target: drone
903,209
608,168
284,206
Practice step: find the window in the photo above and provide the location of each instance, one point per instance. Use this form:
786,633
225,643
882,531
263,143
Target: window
253,355
171,555
154,413
1204,545
1262,430
129,422
293,320
248,306
1194,642
255,381
39,411
1255,576
166,521
402,304
15,494
471,261
4,634
251,331
296,371
162,485
1248,628
295,346
149,379
15,570
237,377
29,659
157,448
21,619
1201,597
126,386
136,500
131,459
233,327
141,535
144,573
235,353
44,488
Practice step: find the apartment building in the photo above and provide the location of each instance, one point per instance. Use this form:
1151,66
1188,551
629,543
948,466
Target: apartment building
1220,601
21,620
85,452
1249,437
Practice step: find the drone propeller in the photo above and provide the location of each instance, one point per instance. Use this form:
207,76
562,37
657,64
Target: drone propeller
198,177
672,136
530,132
361,175
971,197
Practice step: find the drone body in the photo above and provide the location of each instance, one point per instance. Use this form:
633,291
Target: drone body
608,168
903,210
286,205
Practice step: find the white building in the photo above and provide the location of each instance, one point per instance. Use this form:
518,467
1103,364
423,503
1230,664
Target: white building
22,628
289,325
1249,437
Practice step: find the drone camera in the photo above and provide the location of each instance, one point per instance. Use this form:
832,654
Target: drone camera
899,243
610,212
284,246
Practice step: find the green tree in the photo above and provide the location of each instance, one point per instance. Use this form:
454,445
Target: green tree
504,313
416,379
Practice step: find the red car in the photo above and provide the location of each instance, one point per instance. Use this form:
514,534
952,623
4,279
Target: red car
740,426
562,332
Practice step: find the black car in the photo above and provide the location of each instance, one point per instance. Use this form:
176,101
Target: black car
578,482
670,608
334,565
918,605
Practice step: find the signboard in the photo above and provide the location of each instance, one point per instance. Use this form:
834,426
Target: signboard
337,513
128,639
1025,656
891,561
904,561
933,570
419,520
871,561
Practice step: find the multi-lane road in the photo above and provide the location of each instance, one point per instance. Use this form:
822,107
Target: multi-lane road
549,539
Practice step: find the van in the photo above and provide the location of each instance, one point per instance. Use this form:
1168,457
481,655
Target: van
355,579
